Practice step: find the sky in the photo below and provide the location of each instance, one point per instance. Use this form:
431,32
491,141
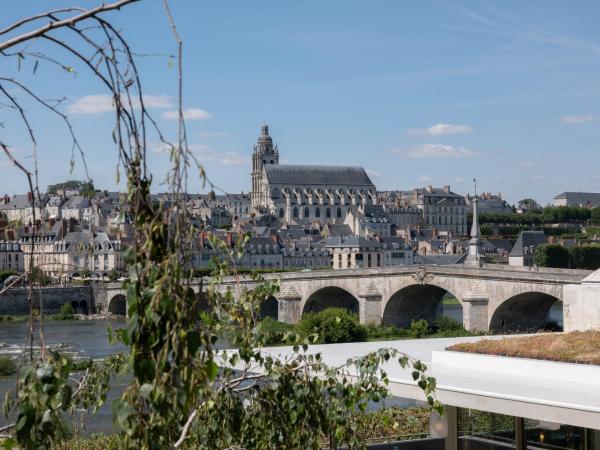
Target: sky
418,93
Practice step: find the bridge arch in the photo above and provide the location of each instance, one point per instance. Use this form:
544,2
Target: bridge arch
330,297
527,311
118,305
269,308
419,301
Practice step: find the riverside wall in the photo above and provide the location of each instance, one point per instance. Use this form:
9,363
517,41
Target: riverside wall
14,300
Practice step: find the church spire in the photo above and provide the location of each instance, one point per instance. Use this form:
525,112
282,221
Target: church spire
474,257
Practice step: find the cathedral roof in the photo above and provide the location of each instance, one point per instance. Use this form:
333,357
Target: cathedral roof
317,175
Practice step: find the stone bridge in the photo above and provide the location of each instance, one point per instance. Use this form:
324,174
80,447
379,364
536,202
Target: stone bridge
492,297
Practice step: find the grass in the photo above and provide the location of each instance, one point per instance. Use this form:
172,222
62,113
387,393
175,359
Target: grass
450,301
581,347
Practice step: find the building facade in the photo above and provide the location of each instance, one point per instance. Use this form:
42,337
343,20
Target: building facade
305,193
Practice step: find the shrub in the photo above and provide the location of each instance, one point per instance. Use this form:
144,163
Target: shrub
445,323
380,332
332,325
4,274
66,312
552,255
7,366
586,257
419,328
274,330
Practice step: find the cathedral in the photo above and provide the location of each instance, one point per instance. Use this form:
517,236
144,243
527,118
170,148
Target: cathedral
305,193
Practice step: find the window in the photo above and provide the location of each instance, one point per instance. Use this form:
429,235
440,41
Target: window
483,428
318,212
339,212
295,211
281,213
328,212
306,212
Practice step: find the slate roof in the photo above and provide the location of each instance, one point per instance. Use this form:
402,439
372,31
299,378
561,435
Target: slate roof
317,175
527,239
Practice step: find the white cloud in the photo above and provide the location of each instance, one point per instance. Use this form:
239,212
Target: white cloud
209,134
459,179
206,154
371,172
188,114
435,151
424,179
442,128
577,119
101,103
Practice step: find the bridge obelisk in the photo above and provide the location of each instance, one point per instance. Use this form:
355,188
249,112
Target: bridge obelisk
474,258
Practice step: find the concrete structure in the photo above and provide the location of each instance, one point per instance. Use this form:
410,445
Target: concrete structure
14,301
489,203
584,199
583,300
544,403
492,297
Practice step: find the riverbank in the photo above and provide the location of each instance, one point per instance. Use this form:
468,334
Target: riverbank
24,317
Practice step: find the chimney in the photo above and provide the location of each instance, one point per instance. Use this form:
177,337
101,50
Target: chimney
430,188
229,239
274,237
447,189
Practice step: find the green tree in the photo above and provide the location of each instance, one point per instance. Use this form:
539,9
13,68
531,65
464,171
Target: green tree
595,215
552,255
586,257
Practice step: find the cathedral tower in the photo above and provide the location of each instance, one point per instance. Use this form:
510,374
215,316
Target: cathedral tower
264,153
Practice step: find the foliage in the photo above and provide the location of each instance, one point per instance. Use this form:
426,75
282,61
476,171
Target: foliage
552,255
4,274
67,311
113,275
93,442
389,424
7,366
85,188
595,215
419,328
42,394
332,325
585,256
298,408
276,332
445,324
381,332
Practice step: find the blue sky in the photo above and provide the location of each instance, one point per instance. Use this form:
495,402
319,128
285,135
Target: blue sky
418,93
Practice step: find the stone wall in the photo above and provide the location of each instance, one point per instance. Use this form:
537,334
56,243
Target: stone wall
14,301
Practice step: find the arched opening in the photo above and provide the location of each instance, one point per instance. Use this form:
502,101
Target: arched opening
421,301
328,212
338,213
295,211
331,297
269,308
118,305
281,213
529,311
75,305
306,212
318,212
83,307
